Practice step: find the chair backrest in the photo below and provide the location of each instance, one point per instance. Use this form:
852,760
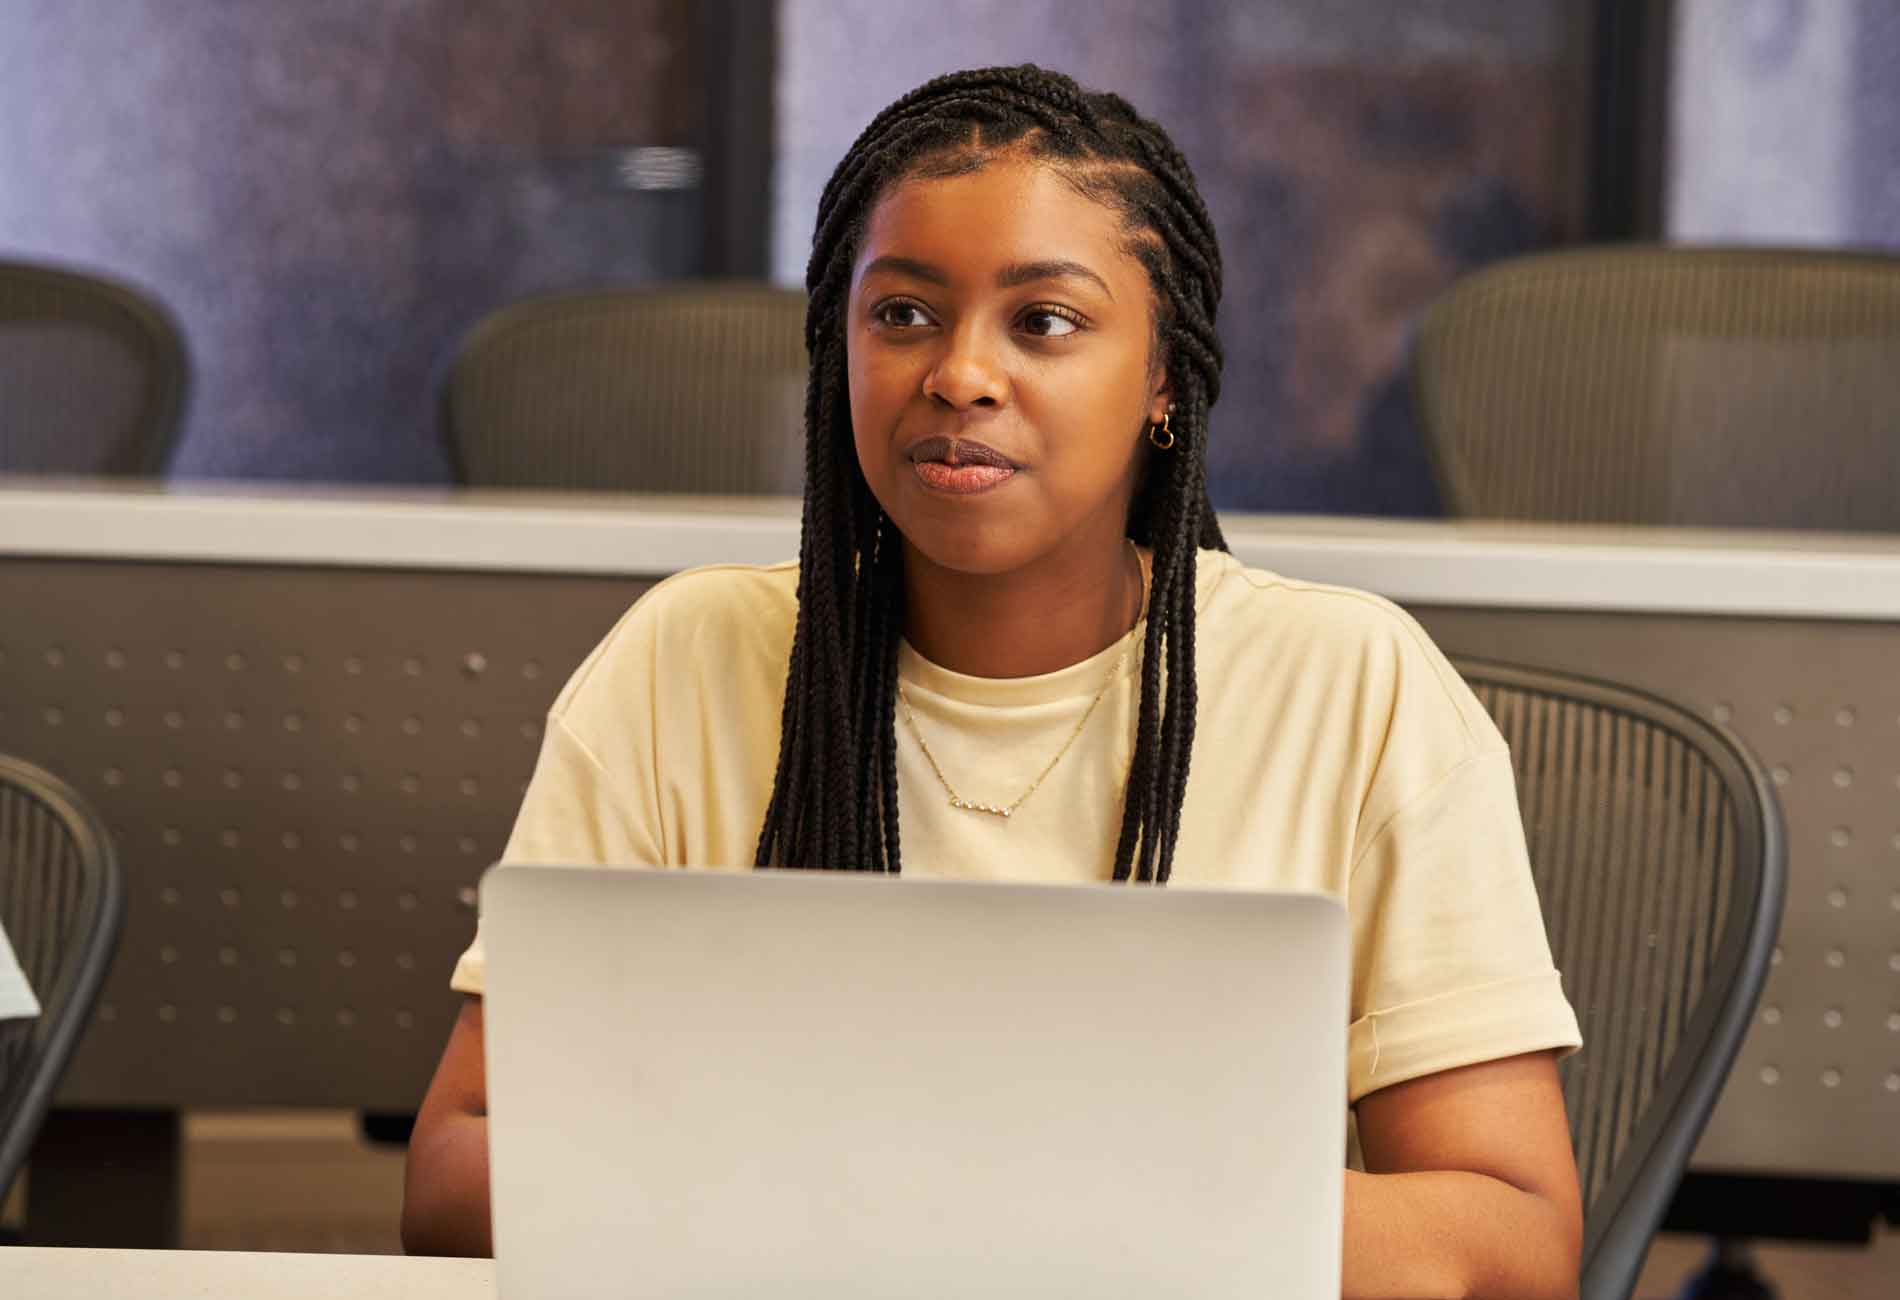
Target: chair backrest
670,388
1657,847
1663,385
62,903
92,375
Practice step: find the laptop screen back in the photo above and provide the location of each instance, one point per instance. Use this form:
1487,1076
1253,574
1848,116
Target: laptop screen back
839,1085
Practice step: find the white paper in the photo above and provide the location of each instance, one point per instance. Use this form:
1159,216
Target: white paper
16,996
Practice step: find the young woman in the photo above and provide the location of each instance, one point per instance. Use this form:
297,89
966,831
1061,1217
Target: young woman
1013,632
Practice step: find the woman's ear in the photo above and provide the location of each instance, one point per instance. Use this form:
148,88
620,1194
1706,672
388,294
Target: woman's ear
1160,395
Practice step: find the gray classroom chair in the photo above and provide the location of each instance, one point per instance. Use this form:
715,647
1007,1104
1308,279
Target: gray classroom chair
1657,847
696,387
1665,385
93,375
62,903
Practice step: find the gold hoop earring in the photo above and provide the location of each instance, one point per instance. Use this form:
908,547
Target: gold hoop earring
1160,434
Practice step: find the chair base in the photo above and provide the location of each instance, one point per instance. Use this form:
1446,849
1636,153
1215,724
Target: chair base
1729,1275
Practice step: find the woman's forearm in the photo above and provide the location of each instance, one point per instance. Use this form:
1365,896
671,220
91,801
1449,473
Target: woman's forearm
445,1194
1449,1236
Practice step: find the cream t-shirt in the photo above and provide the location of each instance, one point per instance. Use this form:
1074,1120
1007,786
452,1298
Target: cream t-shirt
1335,750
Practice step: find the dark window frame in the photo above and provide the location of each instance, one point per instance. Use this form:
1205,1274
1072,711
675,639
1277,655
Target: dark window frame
1632,46
738,56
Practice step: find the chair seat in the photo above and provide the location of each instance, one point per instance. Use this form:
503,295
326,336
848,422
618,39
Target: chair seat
94,374
1685,386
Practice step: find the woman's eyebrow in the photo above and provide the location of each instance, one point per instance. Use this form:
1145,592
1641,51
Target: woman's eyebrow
906,266
1017,273
1029,272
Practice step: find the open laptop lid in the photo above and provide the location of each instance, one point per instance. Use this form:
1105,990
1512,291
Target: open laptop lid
841,1085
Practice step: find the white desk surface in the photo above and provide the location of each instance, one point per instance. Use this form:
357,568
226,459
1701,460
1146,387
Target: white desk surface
36,1271
1461,562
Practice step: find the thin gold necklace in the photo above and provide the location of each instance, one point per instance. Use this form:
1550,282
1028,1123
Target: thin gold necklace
957,801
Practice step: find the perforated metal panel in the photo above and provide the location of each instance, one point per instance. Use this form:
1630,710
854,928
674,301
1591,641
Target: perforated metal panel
305,772
1816,1089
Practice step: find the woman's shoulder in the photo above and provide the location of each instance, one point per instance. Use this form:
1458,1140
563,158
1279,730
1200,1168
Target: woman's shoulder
1266,623
710,619
715,591
1258,600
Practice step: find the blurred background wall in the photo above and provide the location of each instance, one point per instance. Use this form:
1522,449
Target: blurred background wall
325,195
328,196
1785,124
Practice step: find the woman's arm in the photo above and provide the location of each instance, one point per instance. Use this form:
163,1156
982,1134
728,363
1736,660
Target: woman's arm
445,1189
1470,1189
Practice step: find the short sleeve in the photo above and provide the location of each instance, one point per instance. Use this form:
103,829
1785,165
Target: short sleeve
699,660
573,813
1451,963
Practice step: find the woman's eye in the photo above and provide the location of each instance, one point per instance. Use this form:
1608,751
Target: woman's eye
1047,324
903,315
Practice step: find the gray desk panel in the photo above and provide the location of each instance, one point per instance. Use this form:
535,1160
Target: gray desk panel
319,977
305,771
1816,1089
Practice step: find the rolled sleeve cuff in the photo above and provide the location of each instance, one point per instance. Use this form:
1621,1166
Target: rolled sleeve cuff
1488,1022
470,970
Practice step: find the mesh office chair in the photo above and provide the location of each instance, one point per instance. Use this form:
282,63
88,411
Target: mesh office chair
675,388
1709,387
1657,848
92,375
62,902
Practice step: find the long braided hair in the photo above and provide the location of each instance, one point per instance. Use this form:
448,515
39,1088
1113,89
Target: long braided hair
834,798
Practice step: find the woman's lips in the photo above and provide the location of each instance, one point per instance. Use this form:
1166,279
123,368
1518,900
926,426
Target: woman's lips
961,479
960,466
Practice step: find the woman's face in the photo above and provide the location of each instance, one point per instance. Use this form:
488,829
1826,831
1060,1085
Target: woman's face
999,340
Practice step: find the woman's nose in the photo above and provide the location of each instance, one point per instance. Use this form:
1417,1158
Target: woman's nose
967,374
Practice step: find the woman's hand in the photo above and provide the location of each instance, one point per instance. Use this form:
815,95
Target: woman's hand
1470,1189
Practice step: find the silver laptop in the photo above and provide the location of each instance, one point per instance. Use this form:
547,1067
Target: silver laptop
827,1086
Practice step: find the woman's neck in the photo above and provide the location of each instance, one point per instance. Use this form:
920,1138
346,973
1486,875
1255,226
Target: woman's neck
1056,613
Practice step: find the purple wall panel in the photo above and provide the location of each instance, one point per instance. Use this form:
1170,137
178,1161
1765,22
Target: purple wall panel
327,195
1876,119
1785,123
